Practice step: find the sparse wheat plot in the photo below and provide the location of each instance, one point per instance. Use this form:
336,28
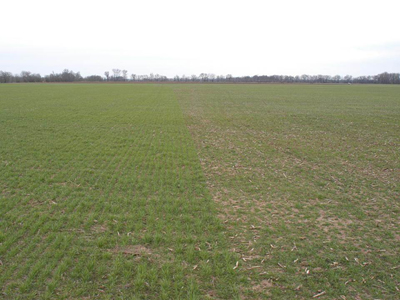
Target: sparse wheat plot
199,191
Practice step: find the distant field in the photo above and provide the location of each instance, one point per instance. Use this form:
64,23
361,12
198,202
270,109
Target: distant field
199,191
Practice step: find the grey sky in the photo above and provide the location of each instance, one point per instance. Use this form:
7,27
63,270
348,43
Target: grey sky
191,37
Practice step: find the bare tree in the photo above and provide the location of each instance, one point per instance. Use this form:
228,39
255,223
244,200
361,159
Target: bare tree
70,76
220,78
336,78
203,76
125,74
117,73
6,77
348,78
25,76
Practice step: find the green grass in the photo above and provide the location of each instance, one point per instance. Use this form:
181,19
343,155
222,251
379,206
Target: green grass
157,191
308,182
103,196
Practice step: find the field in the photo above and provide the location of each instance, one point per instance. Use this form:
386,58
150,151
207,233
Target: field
120,191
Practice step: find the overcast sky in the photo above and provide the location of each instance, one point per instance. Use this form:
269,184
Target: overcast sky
191,37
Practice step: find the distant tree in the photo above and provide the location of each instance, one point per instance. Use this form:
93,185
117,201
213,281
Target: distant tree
78,76
117,74
94,78
336,78
67,76
384,78
25,76
395,78
348,78
125,74
304,78
6,77
203,76
70,76
220,78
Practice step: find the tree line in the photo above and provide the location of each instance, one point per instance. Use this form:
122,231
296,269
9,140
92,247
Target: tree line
123,76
